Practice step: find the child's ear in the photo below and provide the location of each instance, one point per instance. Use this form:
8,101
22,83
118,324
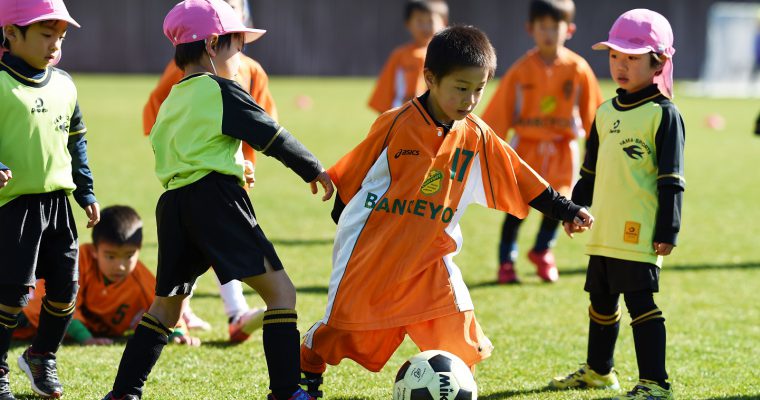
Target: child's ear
10,33
529,28
429,78
571,30
94,251
211,43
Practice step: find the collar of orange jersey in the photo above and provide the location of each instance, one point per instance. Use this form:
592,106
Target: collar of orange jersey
23,72
420,103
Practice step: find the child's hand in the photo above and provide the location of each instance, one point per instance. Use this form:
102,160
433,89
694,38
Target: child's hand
582,222
93,213
5,176
96,341
662,249
324,179
248,173
191,341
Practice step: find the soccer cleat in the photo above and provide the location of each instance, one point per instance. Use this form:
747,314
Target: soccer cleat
110,396
42,373
507,273
193,321
586,378
300,394
5,386
647,390
312,383
546,266
244,324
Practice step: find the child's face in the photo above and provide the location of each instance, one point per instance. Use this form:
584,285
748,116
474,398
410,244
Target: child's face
550,34
632,72
116,262
423,25
227,60
457,93
40,45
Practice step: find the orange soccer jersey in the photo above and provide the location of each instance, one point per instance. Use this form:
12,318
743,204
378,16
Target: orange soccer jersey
549,107
405,188
251,77
401,78
107,310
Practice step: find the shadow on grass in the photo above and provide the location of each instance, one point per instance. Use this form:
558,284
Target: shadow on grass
302,242
747,397
670,269
513,393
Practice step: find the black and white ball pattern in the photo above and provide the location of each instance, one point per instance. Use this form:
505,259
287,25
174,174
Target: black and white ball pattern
435,375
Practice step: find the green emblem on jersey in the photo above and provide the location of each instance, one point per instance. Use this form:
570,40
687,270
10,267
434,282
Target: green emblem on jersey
548,104
432,184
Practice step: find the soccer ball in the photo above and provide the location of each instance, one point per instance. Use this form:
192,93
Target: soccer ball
434,375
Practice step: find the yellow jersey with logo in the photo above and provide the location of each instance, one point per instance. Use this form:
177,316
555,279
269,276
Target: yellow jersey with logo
640,148
548,107
405,188
37,116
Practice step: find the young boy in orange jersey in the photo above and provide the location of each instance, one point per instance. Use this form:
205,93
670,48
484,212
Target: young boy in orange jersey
115,288
243,320
401,78
548,97
401,193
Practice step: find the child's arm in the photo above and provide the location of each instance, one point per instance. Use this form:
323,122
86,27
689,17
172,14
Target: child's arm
583,192
171,76
501,109
80,169
78,332
382,96
245,120
670,139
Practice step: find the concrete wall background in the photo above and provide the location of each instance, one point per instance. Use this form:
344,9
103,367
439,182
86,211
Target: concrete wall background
354,37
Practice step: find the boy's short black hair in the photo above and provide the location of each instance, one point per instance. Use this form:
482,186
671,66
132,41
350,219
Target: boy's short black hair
189,53
460,47
559,10
119,225
429,6
6,43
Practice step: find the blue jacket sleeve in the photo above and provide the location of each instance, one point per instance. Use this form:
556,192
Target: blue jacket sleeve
80,170
3,167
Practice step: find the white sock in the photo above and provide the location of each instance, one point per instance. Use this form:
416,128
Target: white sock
232,297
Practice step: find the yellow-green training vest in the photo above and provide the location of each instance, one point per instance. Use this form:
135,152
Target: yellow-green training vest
625,189
34,132
187,138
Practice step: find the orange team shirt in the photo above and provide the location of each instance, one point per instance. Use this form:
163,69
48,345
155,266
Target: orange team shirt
251,77
549,107
405,188
106,310
401,78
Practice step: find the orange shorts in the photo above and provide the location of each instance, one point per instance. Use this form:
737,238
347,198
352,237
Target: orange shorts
556,161
459,334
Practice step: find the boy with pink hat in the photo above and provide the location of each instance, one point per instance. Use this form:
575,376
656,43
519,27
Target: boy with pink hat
633,173
205,217
43,159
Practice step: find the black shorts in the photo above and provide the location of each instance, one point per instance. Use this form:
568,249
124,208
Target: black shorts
38,240
208,223
608,275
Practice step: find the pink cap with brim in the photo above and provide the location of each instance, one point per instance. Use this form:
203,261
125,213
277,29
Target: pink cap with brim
27,12
642,31
193,20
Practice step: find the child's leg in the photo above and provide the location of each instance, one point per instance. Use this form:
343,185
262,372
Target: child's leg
649,336
603,328
56,312
280,332
232,297
144,348
547,234
508,244
12,300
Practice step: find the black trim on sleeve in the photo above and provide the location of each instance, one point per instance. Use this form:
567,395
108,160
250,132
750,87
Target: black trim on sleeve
669,141
554,205
243,119
668,222
337,210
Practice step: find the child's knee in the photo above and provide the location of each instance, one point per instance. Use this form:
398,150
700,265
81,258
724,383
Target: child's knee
167,309
13,298
61,294
641,306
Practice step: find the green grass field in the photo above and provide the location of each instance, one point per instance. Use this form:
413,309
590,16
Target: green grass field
708,285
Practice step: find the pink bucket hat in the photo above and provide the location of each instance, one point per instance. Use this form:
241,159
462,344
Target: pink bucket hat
193,20
642,31
27,12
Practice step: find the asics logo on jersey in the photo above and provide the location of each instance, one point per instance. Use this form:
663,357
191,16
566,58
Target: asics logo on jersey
416,207
634,152
615,127
39,106
403,152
